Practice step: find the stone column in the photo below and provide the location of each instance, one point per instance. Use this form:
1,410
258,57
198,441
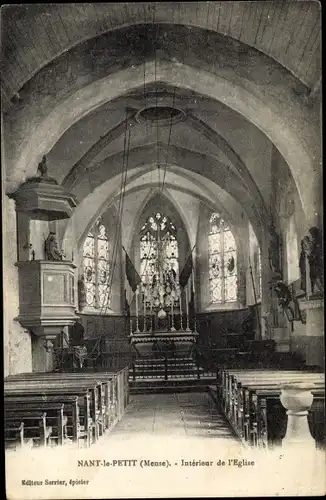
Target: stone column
266,276
297,399
314,338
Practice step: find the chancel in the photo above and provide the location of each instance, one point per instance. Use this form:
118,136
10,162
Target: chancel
162,222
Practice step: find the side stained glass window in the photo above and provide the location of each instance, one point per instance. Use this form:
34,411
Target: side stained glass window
89,269
96,260
222,256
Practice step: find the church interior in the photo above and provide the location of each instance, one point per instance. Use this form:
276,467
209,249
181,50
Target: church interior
162,221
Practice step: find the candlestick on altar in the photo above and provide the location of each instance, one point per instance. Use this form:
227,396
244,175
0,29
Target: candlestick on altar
144,329
194,305
172,315
187,309
137,318
151,312
180,307
130,321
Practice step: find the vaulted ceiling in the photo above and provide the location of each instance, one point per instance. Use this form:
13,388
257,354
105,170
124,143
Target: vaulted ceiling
287,31
77,78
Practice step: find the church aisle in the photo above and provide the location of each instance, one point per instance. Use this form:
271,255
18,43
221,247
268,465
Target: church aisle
180,415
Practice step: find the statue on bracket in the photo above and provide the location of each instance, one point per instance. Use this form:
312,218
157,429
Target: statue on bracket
51,249
42,168
274,252
284,297
288,301
42,173
312,251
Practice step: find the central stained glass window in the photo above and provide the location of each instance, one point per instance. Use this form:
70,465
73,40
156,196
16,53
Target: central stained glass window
222,257
159,260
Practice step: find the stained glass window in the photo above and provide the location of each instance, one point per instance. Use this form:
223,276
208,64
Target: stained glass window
222,254
96,262
159,260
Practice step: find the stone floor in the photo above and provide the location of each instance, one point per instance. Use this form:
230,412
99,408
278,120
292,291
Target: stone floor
174,415
172,445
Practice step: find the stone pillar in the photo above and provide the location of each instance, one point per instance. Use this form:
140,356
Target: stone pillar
16,339
313,210
297,399
266,276
315,347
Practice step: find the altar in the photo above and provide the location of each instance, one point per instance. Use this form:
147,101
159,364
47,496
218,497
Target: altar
162,329
157,345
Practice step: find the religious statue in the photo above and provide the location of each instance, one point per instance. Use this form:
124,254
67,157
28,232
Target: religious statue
51,249
316,260
42,168
81,293
274,252
285,298
311,252
42,174
305,248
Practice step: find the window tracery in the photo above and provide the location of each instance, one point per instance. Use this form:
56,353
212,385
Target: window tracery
96,267
222,256
159,260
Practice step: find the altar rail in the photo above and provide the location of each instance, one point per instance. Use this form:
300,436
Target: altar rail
165,368
98,358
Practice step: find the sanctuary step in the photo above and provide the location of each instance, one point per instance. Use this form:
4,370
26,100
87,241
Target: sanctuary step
172,385
165,368
152,375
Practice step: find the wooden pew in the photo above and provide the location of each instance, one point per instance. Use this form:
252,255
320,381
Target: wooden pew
14,435
71,409
106,396
226,390
114,394
234,379
52,379
117,390
34,427
54,415
86,407
241,394
238,404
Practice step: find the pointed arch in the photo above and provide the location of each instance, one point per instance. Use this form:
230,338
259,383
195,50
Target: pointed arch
298,145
